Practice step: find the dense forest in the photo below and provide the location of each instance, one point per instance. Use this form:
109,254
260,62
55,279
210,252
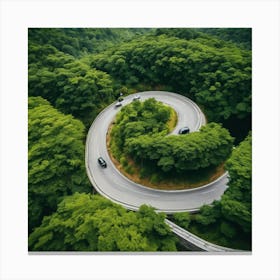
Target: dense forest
228,221
74,73
84,222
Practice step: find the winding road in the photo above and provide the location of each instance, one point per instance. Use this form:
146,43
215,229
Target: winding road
110,183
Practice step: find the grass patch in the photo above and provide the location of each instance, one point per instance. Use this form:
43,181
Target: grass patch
172,121
148,176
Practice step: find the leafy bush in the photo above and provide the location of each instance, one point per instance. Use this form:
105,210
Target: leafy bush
155,179
123,161
214,73
136,119
209,147
55,158
85,222
129,169
183,219
232,214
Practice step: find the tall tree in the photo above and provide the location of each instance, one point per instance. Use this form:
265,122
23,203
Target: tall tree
85,222
213,72
71,85
236,203
233,212
55,158
209,147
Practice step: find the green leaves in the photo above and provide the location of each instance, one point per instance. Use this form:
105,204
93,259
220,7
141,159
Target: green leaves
233,211
237,212
236,203
208,214
182,218
139,132
88,223
70,85
55,158
136,119
210,146
217,74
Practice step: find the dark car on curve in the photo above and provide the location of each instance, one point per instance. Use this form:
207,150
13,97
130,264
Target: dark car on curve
102,162
184,130
118,104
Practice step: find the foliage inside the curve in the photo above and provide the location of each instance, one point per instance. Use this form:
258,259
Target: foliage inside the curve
210,146
137,119
138,141
139,130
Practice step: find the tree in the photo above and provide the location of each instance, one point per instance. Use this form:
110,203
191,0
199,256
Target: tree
236,203
239,166
55,158
209,214
138,133
136,119
183,219
85,222
82,91
71,85
209,147
233,212
240,36
80,41
214,73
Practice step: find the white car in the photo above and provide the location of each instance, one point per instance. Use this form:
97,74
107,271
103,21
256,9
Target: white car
136,97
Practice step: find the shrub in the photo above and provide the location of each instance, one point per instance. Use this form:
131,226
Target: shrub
129,169
155,178
123,161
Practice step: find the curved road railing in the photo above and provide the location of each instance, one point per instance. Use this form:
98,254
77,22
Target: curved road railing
197,243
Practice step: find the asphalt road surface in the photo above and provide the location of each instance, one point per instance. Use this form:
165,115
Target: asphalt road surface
110,183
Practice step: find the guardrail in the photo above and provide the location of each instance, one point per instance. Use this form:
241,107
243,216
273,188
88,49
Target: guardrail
198,244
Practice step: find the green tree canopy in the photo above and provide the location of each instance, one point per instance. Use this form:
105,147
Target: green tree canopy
80,41
233,211
213,72
182,218
236,203
178,153
240,36
71,85
55,158
85,222
136,119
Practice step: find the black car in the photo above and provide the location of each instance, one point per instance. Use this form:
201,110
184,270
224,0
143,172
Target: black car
118,104
102,162
184,130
